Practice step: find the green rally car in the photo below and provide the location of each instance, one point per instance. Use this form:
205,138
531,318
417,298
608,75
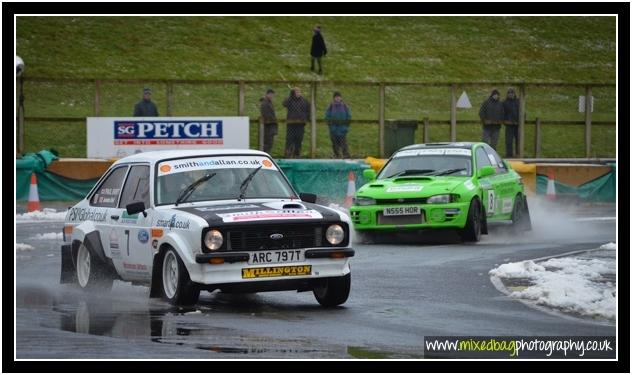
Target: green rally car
459,186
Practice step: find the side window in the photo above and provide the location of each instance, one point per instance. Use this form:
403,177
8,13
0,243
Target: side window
496,160
136,187
481,158
106,195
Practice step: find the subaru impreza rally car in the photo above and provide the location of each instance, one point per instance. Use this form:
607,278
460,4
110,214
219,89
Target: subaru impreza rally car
459,186
186,221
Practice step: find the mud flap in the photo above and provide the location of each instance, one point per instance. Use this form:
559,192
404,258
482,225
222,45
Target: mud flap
155,289
527,224
68,275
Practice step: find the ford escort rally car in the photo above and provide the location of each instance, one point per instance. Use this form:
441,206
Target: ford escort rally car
460,186
185,221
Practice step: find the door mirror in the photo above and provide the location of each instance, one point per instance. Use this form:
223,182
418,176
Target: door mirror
308,197
136,207
487,170
369,174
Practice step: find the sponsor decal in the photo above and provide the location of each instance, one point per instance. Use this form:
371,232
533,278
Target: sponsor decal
128,219
157,232
132,266
507,205
173,223
270,215
434,151
115,251
181,132
224,208
253,273
214,162
469,185
154,244
404,188
491,202
87,214
143,236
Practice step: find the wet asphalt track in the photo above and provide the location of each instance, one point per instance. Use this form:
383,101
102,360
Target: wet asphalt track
400,293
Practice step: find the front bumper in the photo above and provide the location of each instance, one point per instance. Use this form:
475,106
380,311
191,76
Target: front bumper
434,216
323,262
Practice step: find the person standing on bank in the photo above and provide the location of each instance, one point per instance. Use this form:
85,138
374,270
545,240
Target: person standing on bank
146,108
268,116
492,115
318,49
338,116
298,112
511,107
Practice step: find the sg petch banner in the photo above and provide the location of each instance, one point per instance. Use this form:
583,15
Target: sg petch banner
117,137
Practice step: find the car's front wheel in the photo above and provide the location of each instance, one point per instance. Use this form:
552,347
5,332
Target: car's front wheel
91,272
333,291
473,226
176,284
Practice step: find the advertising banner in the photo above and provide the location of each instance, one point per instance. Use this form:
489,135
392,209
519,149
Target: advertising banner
116,137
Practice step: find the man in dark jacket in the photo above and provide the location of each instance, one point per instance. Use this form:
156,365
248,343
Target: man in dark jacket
511,107
146,108
338,116
492,115
268,116
318,49
298,112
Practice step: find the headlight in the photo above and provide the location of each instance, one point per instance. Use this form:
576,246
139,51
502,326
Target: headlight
213,239
361,201
443,198
335,234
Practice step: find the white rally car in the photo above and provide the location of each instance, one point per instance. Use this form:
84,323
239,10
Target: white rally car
185,221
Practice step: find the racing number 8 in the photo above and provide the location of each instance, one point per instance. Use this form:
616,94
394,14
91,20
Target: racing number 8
490,202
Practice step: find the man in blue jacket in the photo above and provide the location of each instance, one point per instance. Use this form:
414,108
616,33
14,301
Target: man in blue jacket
338,115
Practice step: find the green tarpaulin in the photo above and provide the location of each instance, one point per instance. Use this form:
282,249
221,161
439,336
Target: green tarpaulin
602,189
326,178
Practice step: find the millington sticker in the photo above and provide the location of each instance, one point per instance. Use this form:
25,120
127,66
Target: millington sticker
253,273
270,215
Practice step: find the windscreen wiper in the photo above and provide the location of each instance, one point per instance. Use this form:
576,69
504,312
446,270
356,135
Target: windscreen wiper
186,193
411,171
447,171
246,182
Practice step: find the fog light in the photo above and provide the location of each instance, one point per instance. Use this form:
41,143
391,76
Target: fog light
337,255
452,211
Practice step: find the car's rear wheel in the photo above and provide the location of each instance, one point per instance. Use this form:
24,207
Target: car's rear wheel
334,291
91,272
176,284
521,220
473,227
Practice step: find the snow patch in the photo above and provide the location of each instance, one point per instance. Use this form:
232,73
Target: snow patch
573,284
23,247
609,246
47,214
48,236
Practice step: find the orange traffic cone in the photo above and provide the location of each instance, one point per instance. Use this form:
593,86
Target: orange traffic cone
351,189
34,203
550,185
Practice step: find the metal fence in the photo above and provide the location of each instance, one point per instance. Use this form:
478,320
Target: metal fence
550,123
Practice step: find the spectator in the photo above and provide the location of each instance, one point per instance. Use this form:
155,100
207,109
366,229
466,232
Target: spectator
338,115
268,116
511,107
298,112
318,49
146,108
492,116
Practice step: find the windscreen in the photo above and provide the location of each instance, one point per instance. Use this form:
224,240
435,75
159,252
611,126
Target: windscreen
440,161
174,176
